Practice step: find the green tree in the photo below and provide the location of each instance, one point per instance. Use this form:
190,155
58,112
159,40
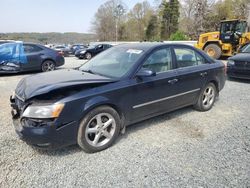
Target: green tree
178,35
169,13
152,29
138,19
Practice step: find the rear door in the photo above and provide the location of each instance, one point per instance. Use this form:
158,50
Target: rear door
33,54
192,74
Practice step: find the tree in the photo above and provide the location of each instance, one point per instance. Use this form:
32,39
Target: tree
152,30
138,19
178,35
104,23
169,13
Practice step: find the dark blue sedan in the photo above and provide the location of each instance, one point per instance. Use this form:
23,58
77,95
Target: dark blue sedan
19,57
121,86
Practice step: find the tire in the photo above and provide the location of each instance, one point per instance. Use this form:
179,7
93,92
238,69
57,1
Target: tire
48,65
88,55
206,98
213,50
93,136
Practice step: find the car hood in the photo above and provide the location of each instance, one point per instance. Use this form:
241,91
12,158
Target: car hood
241,57
43,83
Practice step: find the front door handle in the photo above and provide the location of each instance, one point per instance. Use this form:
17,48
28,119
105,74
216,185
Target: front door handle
203,74
172,81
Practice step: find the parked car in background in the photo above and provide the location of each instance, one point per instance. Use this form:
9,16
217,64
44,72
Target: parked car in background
238,66
78,52
18,57
93,50
76,47
6,41
121,86
65,51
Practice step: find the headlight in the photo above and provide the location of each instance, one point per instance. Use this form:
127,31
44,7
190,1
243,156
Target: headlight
82,52
230,62
42,111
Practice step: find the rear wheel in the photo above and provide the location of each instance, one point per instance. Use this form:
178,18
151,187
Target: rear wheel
213,50
48,65
99,129
207,98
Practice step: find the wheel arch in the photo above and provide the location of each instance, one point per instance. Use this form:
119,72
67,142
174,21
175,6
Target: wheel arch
216,83
103,101
48,59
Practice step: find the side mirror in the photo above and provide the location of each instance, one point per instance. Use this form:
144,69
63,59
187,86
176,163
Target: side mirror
145,73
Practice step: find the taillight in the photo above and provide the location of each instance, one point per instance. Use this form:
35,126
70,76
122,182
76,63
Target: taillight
225,68
60,53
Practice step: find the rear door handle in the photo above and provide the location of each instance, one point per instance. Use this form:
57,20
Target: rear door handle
203,74
172,81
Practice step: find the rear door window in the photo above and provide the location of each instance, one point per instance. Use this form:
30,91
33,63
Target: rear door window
186,57
28,48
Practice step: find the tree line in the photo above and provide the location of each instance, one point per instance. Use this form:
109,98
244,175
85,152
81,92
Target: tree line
165,20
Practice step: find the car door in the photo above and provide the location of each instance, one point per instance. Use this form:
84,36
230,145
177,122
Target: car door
154,94
99,49
9,53
33,55
192,72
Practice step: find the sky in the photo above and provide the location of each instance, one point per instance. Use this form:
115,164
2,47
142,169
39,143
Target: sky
50,15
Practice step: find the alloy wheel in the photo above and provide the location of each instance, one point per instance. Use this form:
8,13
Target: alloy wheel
100,129
48,66
208,97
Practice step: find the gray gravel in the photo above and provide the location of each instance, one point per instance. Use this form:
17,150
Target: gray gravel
184,148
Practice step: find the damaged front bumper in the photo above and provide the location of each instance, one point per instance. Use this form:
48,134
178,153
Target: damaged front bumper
45,134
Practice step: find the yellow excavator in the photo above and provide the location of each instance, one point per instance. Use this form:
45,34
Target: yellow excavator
232,36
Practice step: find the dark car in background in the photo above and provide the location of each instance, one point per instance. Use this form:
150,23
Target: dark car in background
121,86
76,47
65,51
92,50
238,66
19,57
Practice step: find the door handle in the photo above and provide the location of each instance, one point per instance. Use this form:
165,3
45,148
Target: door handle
203,74
172,81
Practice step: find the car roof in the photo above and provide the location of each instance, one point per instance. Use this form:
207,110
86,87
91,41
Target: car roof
149,45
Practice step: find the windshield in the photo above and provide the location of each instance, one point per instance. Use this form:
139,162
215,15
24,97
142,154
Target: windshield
241,27
92,46
114,62
246,49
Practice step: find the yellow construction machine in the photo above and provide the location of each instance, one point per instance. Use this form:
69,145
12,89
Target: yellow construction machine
232,36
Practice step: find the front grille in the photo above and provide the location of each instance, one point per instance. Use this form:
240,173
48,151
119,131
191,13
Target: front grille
242,64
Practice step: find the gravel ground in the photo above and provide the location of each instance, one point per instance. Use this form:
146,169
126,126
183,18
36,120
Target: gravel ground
184,148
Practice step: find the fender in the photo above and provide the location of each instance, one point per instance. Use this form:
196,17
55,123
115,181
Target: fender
94,102
101,100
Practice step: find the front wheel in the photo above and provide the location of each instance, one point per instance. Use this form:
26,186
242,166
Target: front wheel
207,98
99,129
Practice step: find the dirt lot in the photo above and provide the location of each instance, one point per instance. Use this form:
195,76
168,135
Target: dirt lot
184,148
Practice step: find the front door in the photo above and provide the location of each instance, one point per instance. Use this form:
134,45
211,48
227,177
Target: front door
153,95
